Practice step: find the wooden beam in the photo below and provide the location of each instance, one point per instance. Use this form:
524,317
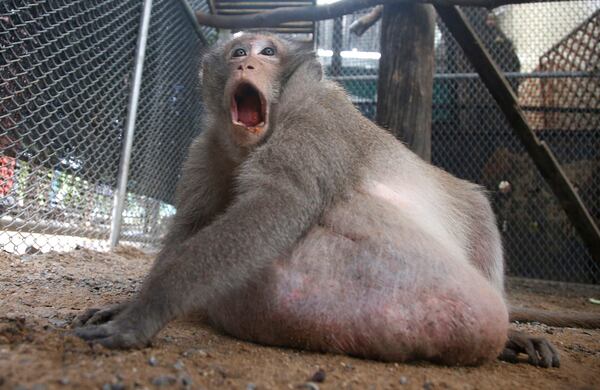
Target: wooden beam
314,13
540,153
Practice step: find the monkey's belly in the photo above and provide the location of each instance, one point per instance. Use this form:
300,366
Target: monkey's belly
370,299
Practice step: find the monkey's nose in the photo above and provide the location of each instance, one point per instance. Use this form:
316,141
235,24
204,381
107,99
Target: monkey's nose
242,67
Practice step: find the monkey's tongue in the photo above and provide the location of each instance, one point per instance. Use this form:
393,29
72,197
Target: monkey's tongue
249,110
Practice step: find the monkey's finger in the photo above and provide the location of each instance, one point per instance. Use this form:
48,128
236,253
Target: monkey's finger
93,332
531,353
83,318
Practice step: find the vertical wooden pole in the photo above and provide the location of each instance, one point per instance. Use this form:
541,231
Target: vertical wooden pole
404,89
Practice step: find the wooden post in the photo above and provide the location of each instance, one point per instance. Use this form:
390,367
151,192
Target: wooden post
404,89
539,152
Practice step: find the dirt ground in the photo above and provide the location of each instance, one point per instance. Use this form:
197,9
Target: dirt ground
41,293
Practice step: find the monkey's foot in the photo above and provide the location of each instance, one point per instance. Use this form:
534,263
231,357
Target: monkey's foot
540,351
96,316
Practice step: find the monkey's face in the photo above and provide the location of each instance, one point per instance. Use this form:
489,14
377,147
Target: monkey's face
252,86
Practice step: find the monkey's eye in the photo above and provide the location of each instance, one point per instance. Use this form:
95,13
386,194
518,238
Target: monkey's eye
239,53
268,51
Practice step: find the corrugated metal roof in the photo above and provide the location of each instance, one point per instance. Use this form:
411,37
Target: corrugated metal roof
237,7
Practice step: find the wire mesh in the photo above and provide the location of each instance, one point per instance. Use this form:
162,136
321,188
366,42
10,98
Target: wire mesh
538,238
168,118
550,54
65,69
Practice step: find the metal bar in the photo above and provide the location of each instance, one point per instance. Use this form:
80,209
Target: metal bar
192,17
539,152
121,191
520,75
462,76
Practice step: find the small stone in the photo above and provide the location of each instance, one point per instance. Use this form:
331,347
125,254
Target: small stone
57,323
106,386
117,386
186,381
427,386
194,352
250,386
309,386
318,377
403,380
164,380
152,361
64,381
178,365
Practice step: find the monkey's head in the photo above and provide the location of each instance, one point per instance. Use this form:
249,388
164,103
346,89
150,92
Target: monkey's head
243,79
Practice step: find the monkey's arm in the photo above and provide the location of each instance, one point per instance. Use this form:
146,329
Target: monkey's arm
203,191
280,197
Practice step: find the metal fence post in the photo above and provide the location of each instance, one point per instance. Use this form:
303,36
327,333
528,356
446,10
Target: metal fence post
121,190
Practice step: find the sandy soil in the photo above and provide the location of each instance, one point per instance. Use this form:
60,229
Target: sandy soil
40,294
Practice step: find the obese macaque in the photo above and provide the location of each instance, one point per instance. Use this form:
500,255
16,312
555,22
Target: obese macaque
301,223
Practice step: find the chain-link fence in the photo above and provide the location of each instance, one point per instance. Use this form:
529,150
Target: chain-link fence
65,79
551,56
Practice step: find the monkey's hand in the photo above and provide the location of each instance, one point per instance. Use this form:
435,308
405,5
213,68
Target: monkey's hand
117,327
540,351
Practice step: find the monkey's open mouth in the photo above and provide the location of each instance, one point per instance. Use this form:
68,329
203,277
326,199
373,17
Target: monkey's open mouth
248,107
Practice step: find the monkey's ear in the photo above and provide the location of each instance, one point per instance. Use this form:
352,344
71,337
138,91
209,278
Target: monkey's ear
302,54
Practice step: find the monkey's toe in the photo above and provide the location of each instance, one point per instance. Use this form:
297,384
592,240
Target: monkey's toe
540,352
